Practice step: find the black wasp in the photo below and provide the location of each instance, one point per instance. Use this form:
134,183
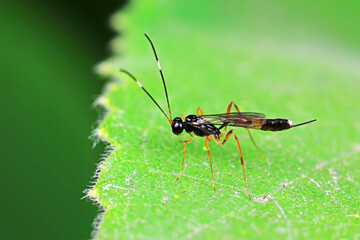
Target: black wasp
210,126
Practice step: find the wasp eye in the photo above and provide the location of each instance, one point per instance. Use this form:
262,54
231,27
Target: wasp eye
177,126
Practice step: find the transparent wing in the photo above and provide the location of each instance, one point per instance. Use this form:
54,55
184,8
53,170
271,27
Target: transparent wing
235,119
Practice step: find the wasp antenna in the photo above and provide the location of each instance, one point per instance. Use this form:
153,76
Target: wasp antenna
161,73
142,87
296,125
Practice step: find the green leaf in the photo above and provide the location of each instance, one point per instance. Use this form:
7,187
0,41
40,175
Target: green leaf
307,182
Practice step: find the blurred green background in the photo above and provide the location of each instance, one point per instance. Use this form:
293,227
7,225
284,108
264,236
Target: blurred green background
48,50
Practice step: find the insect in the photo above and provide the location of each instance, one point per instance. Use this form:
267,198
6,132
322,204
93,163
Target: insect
213,126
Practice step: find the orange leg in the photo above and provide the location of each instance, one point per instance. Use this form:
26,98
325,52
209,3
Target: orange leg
212,173
229,107
207,139
182,165
253,142
199,111
247,130
218,140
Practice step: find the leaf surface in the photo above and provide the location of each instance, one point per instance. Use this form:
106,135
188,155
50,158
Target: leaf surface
307,182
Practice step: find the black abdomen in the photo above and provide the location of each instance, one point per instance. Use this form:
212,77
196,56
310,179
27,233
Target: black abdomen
276,124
